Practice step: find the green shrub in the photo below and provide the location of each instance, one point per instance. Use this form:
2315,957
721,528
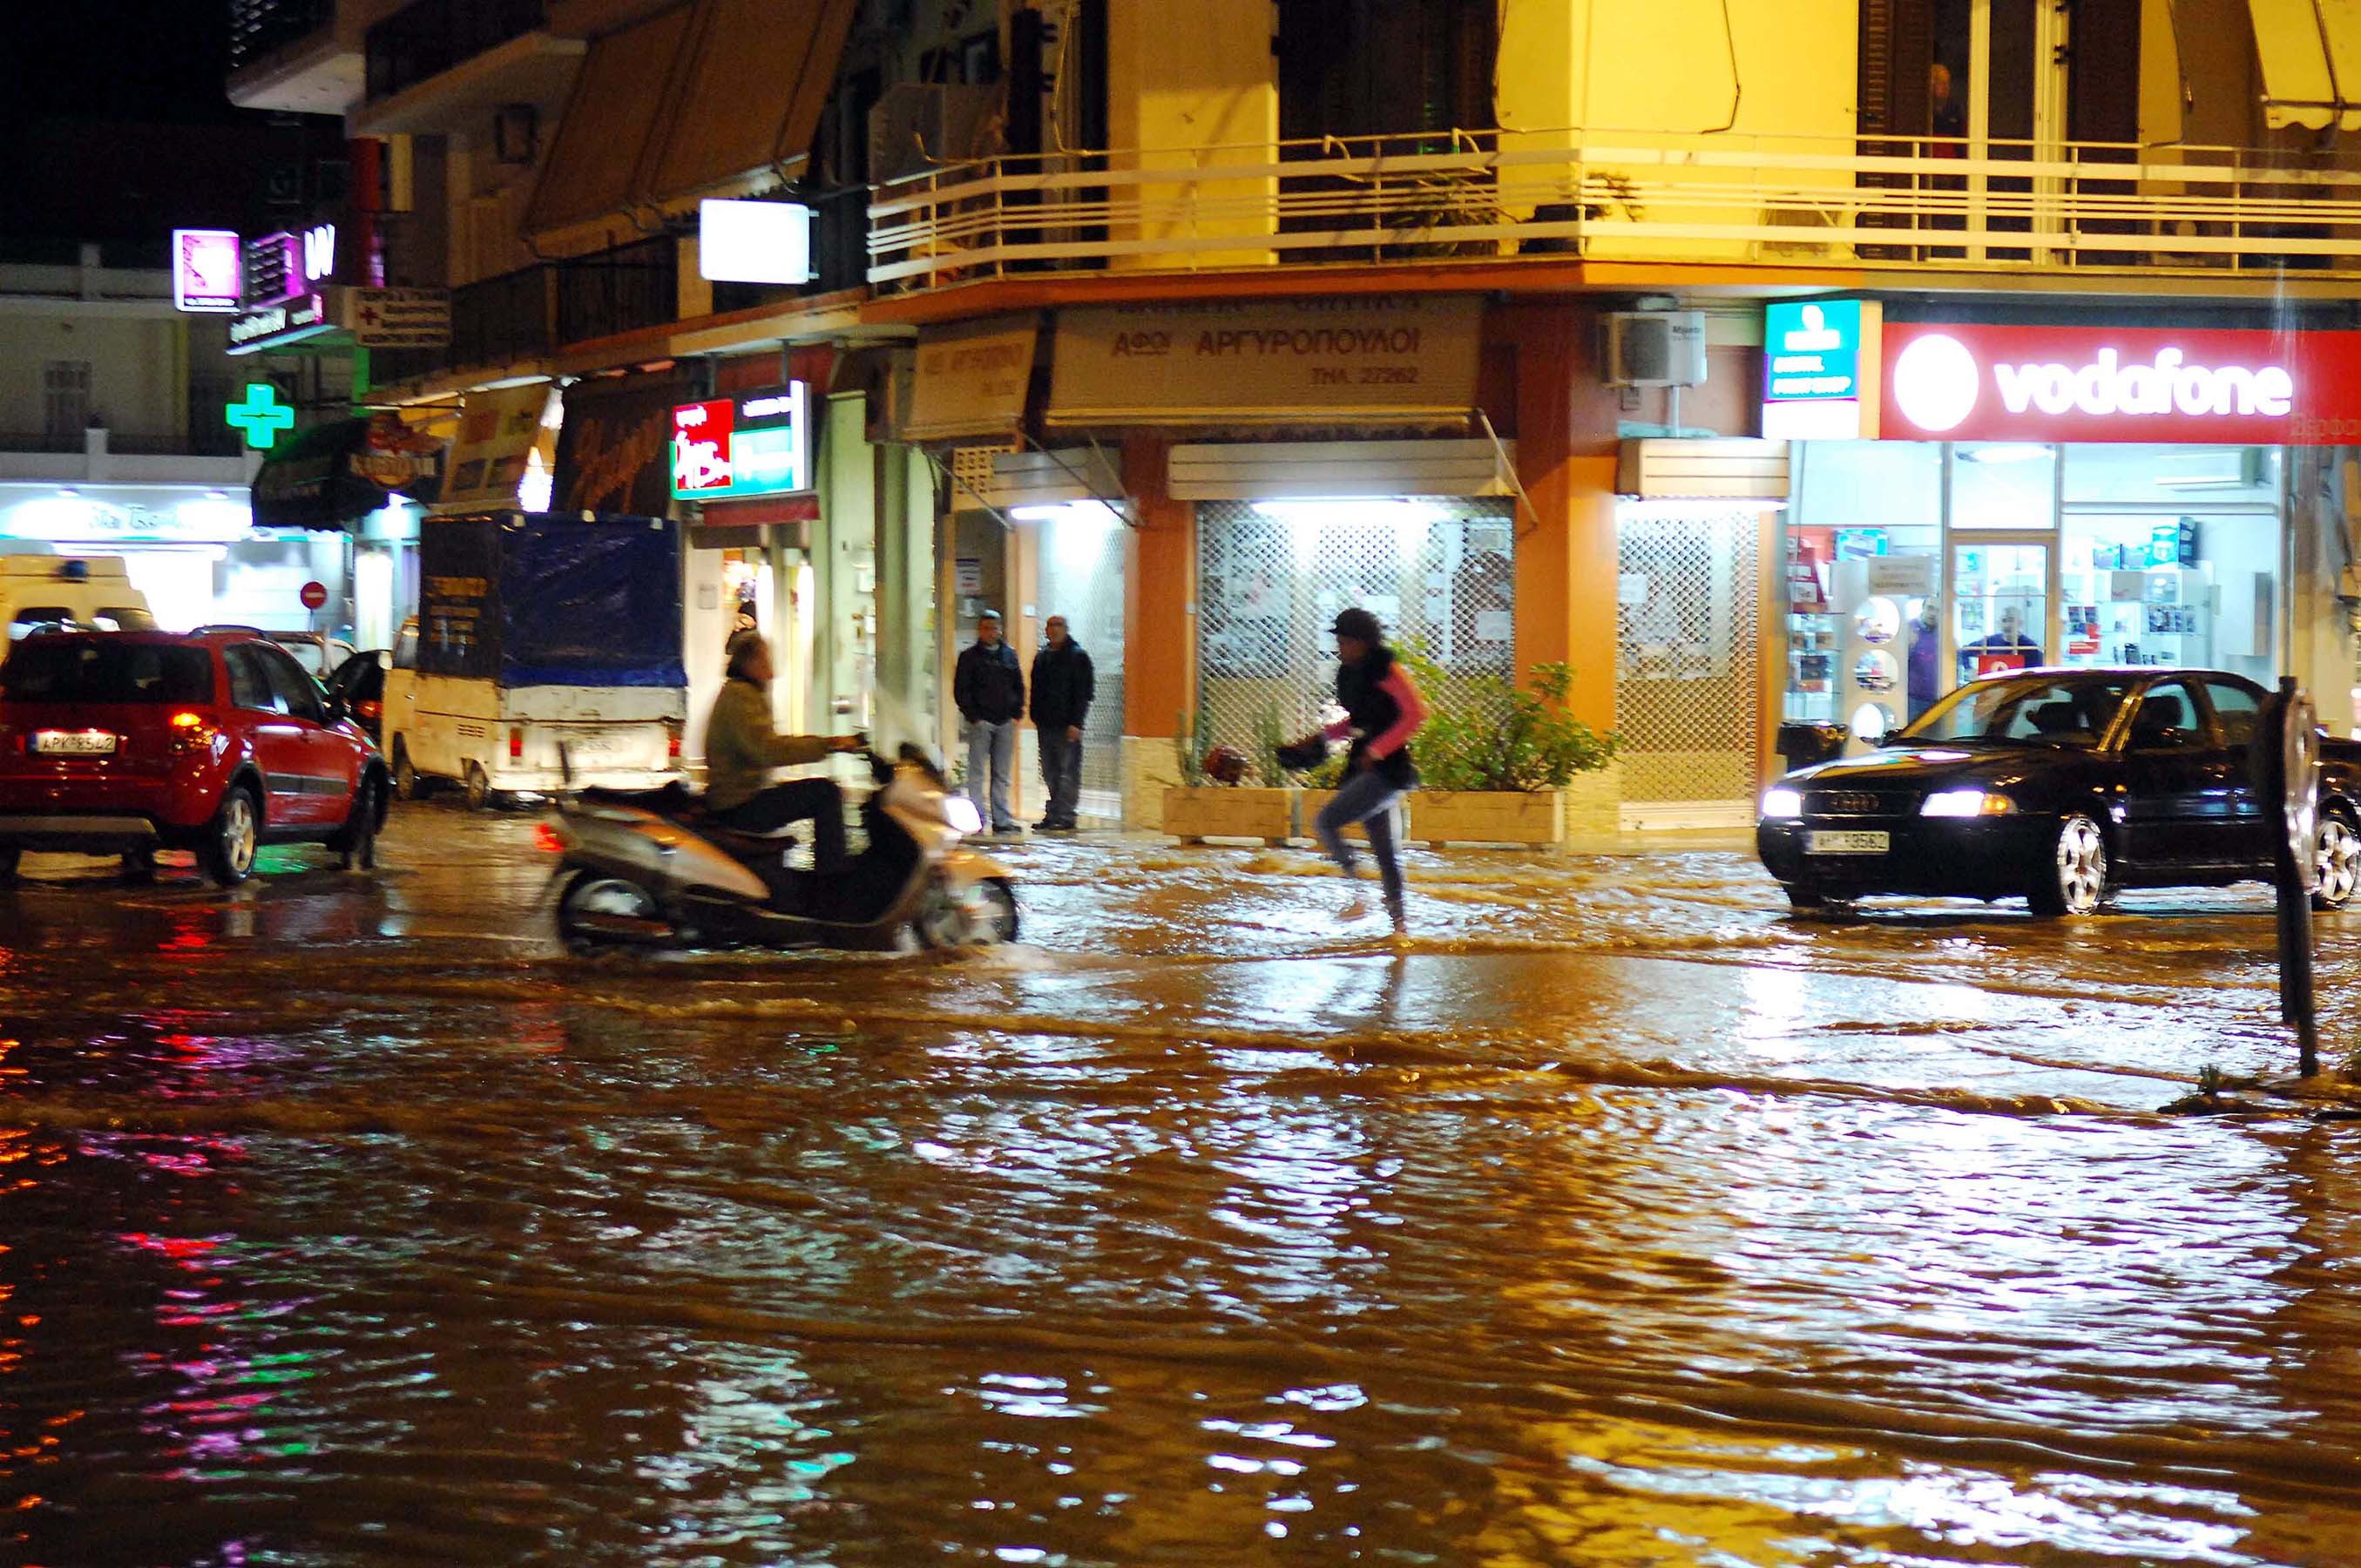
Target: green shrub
1484,733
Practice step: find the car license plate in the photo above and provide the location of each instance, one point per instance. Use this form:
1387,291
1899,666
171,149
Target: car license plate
74,743
1826,841
598,741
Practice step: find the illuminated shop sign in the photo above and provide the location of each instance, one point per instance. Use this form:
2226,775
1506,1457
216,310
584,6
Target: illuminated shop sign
206,270
758,444
79,519
753,242
1966,382
286,266
272,326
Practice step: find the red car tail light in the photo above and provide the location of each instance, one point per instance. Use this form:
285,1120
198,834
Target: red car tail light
192,733
369,709
516,745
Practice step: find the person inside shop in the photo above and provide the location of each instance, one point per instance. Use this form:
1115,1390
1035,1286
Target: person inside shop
740,750
1925,658
1063,685
2006,649
988,689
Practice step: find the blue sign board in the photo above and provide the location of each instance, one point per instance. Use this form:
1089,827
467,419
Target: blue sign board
1811,351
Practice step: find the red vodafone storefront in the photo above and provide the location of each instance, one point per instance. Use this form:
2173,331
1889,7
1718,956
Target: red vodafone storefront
2071,495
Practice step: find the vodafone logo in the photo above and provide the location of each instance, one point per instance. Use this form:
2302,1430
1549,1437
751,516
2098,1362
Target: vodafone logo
1938,382
1935,382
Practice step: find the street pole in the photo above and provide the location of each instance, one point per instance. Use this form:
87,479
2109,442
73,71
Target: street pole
2285,762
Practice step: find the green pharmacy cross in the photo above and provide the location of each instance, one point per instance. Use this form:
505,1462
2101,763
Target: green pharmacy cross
262,416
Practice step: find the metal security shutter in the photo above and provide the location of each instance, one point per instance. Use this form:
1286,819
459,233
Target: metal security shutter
1439,571
1687,677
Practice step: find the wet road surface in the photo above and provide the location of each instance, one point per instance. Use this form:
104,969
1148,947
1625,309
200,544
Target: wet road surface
1620,1218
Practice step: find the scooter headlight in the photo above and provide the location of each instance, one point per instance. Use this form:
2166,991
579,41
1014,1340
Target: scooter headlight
961,814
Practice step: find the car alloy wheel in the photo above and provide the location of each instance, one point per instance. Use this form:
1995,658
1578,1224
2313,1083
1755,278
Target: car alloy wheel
2078,881
229,854
2337,859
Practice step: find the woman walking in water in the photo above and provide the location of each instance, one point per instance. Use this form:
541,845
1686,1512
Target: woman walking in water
1382,711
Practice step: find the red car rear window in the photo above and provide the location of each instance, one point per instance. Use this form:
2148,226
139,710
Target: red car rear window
48,669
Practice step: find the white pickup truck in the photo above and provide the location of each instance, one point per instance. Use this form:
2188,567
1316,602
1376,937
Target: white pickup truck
537,632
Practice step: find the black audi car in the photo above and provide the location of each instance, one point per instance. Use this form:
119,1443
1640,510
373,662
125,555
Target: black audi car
2057,786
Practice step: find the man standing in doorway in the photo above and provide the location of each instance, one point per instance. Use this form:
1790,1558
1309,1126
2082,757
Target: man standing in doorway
1063,685
989,689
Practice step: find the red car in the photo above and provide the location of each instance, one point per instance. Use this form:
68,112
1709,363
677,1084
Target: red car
126,742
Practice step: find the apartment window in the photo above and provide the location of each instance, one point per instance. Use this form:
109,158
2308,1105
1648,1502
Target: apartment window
1361,68
65,396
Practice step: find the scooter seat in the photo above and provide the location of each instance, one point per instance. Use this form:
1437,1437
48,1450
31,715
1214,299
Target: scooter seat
747,845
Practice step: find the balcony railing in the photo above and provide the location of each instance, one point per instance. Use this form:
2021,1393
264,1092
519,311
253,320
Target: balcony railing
259,27
529,313
424,39
1879,202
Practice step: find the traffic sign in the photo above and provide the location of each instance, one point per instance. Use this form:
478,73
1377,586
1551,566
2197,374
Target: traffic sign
314,595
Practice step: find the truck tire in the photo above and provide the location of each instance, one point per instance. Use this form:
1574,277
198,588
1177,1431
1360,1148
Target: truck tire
479,788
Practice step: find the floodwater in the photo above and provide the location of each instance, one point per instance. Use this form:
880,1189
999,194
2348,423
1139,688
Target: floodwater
1618,1218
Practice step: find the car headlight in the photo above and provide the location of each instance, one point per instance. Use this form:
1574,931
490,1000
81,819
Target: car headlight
1785,804
961,814
1967,803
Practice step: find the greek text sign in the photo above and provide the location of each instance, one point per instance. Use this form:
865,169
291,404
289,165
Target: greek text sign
1408,359
971,382
1958,382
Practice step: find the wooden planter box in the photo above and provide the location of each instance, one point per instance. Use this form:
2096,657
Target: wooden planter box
1219,811
1316,800
1492,817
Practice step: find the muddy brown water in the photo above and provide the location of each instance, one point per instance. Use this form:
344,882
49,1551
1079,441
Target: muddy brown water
1620,1218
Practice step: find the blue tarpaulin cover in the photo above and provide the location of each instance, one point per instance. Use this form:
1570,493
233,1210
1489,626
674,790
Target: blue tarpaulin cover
551,598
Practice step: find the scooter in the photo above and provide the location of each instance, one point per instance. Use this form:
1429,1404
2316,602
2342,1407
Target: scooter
649,869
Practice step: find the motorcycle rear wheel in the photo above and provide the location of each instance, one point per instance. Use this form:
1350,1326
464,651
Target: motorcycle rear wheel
597,911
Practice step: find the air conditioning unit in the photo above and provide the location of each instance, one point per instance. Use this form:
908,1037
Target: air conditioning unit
1652,348
917,127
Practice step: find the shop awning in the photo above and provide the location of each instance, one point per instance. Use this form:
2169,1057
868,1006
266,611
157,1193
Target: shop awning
747,96
333,475
707,99
617,102
2311,53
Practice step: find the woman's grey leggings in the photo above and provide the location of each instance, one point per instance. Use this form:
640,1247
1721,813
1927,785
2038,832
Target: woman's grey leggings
1366,797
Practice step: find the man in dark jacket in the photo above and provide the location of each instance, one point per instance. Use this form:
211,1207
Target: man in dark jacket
1063,685
988,686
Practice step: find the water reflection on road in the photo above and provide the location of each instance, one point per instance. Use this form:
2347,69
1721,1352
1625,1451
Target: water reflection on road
1622,1217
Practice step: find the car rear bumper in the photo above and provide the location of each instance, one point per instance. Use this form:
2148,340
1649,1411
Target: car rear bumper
83,832
1985,856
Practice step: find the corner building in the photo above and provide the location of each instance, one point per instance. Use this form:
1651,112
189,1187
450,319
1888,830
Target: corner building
1194,323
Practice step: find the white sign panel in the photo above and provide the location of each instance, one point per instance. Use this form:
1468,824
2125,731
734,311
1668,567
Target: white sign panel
396,318
753,242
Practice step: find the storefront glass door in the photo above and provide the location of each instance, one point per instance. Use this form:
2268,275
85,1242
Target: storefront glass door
2000,606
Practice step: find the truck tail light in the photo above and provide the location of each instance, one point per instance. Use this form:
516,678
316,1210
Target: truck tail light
672,743
516,744
191,733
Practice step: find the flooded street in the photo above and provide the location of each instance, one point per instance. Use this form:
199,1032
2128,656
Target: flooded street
1618,1218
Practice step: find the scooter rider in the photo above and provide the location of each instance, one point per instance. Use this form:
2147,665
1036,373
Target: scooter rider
740,750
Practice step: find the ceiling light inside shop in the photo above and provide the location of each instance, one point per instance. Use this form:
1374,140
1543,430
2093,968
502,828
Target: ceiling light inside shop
2005,452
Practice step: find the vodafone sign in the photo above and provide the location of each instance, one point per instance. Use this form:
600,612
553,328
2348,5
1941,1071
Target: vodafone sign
1954,382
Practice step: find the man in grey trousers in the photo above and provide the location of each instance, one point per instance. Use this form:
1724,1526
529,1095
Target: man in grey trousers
988,687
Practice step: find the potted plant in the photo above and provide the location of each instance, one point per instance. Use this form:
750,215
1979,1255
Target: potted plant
1213,801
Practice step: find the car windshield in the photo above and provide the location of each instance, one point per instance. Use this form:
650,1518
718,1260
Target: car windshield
44,669
2031,711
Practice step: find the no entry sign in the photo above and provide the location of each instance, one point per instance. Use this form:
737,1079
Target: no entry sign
314,595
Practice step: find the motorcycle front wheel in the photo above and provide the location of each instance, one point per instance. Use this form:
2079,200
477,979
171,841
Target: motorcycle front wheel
985,916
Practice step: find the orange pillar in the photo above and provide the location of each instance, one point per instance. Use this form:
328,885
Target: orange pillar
1159,632
1565,546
